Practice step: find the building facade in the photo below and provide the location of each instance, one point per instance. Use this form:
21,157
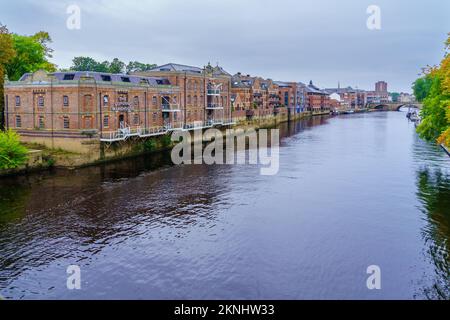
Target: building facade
89,104
204,92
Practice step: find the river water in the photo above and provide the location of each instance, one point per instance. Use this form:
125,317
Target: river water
352,191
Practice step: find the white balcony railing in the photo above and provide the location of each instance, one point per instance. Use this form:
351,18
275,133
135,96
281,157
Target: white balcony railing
214,106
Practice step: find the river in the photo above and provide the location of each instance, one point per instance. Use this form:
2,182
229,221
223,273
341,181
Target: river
352,191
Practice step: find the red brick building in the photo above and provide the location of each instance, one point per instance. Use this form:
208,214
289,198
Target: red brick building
204,92
86,104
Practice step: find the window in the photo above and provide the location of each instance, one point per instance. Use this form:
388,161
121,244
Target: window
66,122
154,100
175,116
155,115
125,79
136,119
65,101
175,99
136,102
195,100
18,122
195,85
123,97
17,101
106,121
105,100
106,77
189,99
41,122
40,101
69,77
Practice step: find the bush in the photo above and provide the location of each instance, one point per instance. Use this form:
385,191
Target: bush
12,153
149,145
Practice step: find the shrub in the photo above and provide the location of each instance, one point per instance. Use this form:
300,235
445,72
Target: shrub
12,153
149,145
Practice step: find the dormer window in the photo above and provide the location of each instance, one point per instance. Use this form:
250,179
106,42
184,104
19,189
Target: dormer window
126,79
106,77
70,76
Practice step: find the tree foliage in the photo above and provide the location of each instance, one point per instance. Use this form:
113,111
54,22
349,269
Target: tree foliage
115,66
135,66
32,53
422,87
434,90
12,153
7,53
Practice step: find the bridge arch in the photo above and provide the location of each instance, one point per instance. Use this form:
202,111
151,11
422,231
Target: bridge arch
411,105
381,107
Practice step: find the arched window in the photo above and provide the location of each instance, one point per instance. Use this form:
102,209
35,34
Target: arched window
105,100
154,100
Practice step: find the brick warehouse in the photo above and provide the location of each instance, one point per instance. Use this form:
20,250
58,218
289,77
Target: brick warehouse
72,109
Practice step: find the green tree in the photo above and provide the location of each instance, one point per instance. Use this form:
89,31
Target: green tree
31,55
117,66
435,88
12,153
136,66
88,64
7,53
395,96
422,87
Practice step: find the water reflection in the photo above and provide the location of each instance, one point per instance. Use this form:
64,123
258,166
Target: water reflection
434,193
143,228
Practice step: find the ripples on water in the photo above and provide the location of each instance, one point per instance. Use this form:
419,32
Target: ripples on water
352,191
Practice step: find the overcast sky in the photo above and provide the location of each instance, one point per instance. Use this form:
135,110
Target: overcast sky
321,40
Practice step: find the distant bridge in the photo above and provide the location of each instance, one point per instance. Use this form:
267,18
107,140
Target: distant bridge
391,106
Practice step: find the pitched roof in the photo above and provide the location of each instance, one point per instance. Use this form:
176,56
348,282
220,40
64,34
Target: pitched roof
177,68
102,76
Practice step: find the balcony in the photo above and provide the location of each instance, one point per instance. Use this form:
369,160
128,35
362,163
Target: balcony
171,107
214,106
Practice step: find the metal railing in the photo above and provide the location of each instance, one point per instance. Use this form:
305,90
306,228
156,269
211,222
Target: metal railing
213,106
